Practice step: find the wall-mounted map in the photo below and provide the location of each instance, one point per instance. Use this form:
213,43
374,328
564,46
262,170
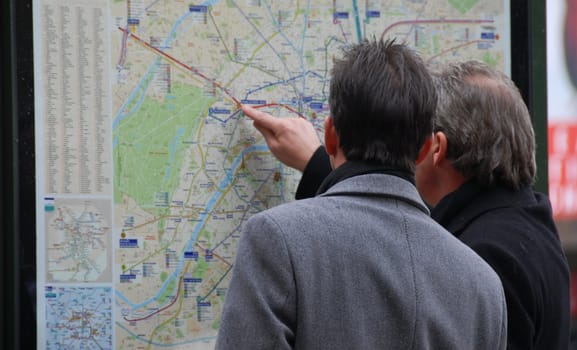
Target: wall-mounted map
138,106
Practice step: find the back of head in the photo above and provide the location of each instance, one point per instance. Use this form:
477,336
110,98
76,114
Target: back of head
382,101
488,127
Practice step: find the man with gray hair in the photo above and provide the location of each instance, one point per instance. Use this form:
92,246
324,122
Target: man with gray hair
477,177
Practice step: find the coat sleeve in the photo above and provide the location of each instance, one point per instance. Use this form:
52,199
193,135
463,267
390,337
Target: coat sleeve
259,310
317,169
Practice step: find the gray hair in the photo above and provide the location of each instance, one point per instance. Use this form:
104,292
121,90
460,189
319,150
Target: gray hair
488,127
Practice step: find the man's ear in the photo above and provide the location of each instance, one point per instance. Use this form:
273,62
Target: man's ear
439,147
331,137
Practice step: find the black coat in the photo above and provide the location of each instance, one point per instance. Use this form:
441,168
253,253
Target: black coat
515,233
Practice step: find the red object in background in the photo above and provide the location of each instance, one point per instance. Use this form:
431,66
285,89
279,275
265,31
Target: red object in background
562,138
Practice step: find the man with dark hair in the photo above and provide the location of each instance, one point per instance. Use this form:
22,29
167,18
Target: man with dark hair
478,176
362,265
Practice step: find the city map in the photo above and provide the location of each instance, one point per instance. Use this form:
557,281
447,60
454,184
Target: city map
189,167
159,221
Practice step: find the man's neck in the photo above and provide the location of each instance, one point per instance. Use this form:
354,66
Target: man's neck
450,180
338,158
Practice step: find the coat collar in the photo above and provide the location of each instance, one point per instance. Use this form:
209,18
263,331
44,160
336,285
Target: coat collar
457,209
354,168
366,180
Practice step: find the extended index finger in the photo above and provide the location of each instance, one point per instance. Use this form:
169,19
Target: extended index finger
261,118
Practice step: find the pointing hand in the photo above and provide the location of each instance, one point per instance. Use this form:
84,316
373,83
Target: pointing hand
293,141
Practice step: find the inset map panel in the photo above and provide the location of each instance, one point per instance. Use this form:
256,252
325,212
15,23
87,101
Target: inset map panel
78,240
78,318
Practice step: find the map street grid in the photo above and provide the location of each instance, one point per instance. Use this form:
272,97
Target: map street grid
152,234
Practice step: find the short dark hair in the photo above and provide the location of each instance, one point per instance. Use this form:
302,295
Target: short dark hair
490,136
382,101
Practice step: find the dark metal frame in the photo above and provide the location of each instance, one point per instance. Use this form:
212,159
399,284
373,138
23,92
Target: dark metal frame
529,71
17,177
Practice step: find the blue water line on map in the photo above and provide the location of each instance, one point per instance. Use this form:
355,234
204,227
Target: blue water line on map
226,181
120,115
357,21
209,207
301,51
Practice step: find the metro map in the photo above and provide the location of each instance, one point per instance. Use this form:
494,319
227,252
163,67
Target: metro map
189,167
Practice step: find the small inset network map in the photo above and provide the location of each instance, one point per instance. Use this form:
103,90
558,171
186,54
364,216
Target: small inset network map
78,318
78,240
189,168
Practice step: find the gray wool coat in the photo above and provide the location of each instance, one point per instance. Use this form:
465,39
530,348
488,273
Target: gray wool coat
362,266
